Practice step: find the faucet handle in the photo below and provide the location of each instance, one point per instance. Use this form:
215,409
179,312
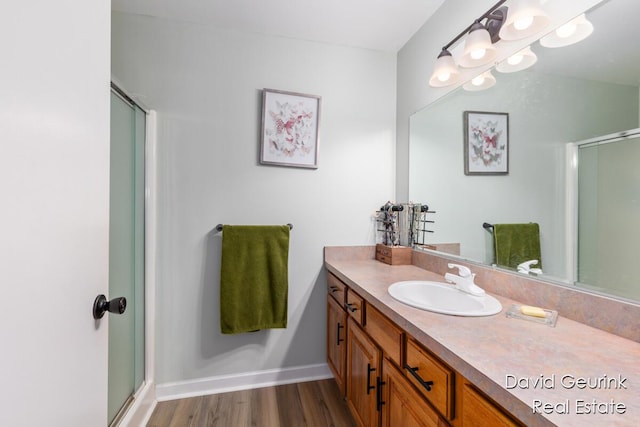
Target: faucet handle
526,267
527,264
462,270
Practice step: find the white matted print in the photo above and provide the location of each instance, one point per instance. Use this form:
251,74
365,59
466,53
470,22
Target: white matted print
290,123
486,143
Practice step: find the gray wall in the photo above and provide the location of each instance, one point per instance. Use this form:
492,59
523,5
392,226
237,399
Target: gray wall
205,84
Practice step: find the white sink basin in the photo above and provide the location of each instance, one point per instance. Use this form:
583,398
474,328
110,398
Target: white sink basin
443,298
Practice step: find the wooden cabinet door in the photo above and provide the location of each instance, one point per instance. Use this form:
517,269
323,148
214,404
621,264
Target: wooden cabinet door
363,372
402,405
478,411
337,341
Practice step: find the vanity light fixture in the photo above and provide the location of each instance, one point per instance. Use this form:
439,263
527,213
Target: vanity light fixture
479,49
524,18
572,32
481,82
445,72
518,61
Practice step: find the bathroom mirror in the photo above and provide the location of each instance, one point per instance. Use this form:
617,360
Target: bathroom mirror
571,94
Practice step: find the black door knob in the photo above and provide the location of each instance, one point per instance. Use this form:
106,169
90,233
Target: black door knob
102,305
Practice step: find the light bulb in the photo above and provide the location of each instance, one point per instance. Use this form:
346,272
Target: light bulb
477,81
478,53
515,59
523,23
443,77
567,30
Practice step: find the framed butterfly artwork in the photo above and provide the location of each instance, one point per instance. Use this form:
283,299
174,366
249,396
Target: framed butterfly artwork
290,129
486,143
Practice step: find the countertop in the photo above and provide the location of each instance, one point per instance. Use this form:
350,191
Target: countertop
574,374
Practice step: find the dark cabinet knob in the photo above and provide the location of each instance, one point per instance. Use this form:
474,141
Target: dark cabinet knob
101,305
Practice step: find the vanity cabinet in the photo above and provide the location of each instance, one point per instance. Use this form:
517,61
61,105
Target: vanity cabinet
364,363
390,379
337,341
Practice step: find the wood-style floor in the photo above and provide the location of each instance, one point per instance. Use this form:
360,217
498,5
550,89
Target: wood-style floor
314,404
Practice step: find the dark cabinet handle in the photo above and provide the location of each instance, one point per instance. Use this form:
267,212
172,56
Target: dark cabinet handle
351,308
379,401
338,339
101,305
332,289
369,371
414,371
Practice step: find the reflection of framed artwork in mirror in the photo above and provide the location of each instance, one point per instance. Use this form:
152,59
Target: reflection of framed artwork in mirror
486,143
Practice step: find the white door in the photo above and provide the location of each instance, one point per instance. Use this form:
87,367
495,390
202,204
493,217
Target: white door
54,212
53,262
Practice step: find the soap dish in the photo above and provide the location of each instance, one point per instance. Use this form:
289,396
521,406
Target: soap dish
550,319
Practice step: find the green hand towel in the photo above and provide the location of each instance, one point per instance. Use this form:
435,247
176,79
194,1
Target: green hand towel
516,243
254,278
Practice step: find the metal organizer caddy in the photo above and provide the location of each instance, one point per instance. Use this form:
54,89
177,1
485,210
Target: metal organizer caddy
398,228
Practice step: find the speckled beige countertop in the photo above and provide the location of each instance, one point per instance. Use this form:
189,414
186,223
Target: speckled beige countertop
504,357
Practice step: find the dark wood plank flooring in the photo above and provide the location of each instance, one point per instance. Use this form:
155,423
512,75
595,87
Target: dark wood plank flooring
313,404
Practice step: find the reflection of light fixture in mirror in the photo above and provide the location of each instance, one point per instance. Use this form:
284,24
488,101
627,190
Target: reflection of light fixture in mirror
524,18
478,49
572,32
481,82
518,61
445,72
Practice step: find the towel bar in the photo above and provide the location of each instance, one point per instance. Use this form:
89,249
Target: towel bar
488,227
219,227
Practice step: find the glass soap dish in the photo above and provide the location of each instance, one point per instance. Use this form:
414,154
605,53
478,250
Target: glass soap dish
550,319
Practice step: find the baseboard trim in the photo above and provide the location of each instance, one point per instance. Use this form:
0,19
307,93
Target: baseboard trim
143,405
244,381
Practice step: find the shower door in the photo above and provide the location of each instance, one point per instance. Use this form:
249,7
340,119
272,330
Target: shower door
126,253
608,212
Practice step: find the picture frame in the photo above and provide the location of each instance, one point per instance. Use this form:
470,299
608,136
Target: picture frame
290,129
486,143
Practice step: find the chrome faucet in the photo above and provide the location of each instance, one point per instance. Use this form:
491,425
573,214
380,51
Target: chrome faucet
463,280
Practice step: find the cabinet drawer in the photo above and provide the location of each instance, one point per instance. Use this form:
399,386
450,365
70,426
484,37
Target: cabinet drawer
478,411
355,306
336,289
431,377
385,333
401,404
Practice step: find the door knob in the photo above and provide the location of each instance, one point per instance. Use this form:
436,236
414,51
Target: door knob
102,305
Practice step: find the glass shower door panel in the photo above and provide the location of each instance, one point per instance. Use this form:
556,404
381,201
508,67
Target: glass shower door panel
126,254
609,208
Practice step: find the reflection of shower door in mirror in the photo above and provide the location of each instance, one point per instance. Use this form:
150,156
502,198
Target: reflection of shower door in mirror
126,253
608,215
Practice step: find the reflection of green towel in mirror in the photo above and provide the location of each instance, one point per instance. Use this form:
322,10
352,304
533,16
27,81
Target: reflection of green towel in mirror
516,243
253,278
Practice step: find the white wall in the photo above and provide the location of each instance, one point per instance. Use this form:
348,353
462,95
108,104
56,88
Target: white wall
206,85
